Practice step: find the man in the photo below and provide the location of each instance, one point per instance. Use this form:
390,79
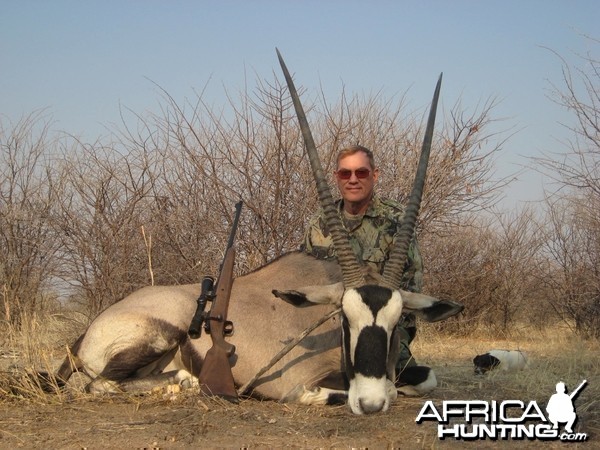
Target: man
372,224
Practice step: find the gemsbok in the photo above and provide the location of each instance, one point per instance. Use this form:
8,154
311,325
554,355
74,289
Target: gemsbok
142,340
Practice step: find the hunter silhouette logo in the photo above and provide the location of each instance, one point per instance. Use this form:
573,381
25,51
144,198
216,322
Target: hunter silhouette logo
560,406
507,419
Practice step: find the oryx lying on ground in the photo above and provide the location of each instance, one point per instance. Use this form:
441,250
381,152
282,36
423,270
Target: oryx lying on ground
142,340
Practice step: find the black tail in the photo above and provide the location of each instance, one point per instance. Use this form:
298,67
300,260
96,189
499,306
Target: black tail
51,382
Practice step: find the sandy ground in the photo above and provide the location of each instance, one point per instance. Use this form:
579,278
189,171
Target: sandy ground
74,420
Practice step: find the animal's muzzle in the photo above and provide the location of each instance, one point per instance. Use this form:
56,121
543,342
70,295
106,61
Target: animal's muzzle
370,407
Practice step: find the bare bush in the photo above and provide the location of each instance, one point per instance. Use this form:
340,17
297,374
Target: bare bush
571,269
27,200
578,168
253,151
490,265
154,204
573,223
105,202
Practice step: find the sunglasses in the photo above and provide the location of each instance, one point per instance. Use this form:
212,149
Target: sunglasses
345,174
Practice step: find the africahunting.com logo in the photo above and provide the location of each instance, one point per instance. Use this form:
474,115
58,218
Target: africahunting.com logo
508,419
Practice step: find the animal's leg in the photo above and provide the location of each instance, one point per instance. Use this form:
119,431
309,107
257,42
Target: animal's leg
165,363
316,396
416,381
141,385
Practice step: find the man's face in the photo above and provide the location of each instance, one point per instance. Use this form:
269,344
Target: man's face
356,179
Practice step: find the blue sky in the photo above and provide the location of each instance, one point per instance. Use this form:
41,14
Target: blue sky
83,60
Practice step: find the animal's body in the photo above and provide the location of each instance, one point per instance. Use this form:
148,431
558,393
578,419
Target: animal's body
142,340
147,331
505,360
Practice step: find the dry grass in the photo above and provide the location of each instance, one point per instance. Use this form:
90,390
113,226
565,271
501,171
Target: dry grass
554,354
39,346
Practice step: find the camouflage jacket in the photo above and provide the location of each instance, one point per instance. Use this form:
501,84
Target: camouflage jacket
371,237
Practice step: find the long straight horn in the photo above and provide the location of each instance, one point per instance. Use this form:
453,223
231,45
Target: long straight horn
394,268
346,258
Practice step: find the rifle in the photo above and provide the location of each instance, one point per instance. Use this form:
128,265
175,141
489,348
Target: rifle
215,376
207,292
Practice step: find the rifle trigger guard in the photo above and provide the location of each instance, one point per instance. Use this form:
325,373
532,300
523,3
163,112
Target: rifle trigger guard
228,328
227,324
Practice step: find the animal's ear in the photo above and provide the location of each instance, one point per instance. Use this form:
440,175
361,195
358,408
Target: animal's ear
429,308
313,295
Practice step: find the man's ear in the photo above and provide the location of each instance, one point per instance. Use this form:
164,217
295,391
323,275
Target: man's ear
313,295
375,174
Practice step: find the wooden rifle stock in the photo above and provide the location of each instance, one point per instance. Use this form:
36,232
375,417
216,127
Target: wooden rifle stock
215,376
